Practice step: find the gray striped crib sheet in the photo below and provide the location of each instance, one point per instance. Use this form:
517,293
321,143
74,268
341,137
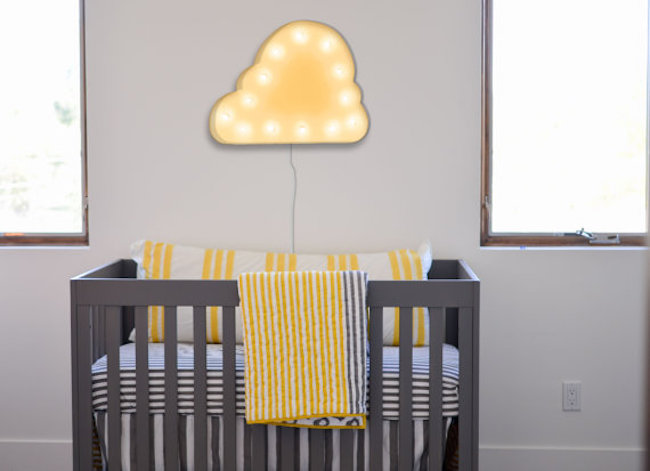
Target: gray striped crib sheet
215,384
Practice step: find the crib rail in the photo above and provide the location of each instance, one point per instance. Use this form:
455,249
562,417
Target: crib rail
107,302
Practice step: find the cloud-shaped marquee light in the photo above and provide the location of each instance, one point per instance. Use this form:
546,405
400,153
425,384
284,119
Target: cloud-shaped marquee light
300,89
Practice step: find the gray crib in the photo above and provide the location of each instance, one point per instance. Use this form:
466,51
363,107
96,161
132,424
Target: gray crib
108,302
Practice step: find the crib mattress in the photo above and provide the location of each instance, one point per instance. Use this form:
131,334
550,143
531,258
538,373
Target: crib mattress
215,384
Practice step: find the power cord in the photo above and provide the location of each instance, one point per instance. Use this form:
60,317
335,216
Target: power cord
293,203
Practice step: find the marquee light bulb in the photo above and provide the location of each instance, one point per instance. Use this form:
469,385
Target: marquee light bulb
243,129
226,116
248,100
300,36
332,128
339,71
264,77
271,128
353,121
302,129
327,44
276,51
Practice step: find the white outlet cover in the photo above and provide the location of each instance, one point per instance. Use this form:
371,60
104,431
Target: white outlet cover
571,395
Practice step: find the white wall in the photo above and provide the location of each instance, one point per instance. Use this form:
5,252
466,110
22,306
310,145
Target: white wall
154,71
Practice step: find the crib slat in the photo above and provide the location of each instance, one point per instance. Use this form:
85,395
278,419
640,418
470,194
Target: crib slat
316,450
142,387
113,333
101,320
98,334
405,430
376,393
287,436
200,391
466,389
171,390
345,447
435,387
258,448
83,394
229,384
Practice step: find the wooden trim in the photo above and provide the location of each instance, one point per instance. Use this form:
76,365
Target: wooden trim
83,121
496,240
525,239
65,239
19,239
486,124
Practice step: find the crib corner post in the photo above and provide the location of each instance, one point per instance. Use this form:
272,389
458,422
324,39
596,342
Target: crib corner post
75,375
475,371
468,345
81,382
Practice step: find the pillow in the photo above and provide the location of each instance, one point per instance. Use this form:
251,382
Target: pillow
159,260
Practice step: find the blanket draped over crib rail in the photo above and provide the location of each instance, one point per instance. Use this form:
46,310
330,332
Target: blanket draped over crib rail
305,348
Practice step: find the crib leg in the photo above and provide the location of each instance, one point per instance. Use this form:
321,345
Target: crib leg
81,386
467,416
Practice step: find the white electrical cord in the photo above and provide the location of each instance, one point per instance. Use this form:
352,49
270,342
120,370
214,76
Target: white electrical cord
293,204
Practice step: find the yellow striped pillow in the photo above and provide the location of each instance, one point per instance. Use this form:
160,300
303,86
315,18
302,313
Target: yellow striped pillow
159,260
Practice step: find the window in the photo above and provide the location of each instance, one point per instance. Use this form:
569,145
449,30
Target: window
564,122
42,149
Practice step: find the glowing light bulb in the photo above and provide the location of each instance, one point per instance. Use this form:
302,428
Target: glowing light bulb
300,36
243,129
327,44
339,71
264,77
302,130
226,116
345,98
354,121
249,100
272,128
276,51
332,128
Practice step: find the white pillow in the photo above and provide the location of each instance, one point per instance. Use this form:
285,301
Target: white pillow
160,260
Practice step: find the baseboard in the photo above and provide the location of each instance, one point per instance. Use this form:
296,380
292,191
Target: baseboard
33,455
494,458
28,455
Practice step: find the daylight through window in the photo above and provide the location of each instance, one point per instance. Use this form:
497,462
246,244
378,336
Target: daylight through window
42,184
565,120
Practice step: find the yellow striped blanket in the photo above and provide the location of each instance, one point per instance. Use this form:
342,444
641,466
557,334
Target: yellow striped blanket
305,339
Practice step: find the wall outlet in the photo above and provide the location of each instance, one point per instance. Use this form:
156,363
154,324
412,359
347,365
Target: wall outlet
571,395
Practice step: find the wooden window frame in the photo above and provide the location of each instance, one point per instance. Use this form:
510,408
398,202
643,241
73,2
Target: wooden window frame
517,239
66,239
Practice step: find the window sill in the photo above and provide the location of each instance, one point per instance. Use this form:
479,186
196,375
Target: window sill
579,248
34,247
